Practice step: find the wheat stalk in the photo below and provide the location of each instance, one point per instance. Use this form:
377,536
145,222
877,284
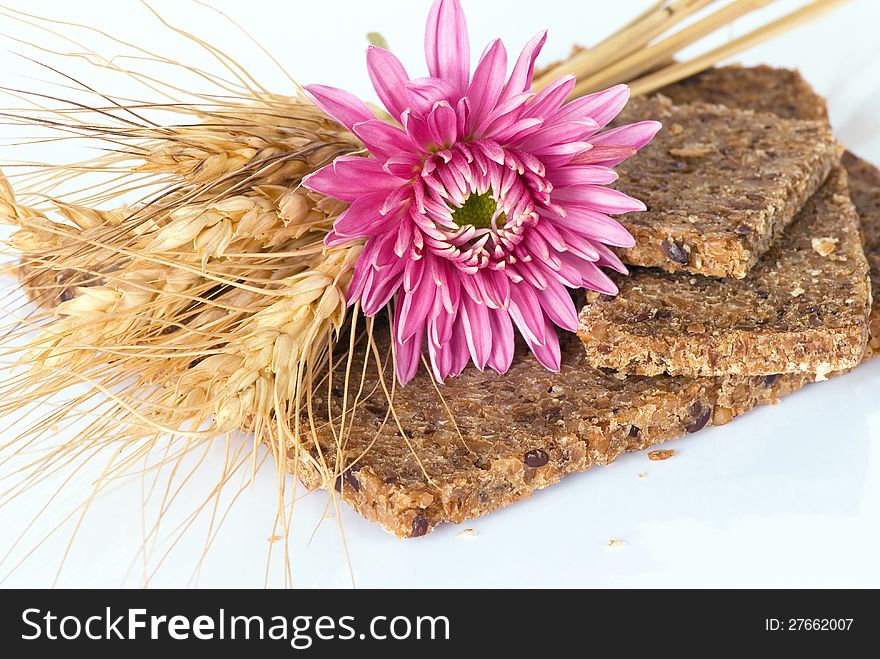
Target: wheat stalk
642,53
207,304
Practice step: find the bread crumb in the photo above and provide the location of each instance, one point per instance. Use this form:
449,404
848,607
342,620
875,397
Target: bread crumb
274,538
797,292
822,372
825,246
695,151
469,532
642,474
661,455
615,543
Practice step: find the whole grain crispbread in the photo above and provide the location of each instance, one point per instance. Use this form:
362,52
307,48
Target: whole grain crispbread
492,439
802,308
783,92
864,189
720,184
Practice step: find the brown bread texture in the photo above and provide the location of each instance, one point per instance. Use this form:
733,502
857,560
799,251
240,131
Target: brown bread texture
803,308
740,178
864,189
783,92
492,439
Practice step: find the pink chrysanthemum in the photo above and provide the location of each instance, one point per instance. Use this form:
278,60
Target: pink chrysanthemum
483,204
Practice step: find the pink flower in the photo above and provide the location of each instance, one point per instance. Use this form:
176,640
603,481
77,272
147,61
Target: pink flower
483,205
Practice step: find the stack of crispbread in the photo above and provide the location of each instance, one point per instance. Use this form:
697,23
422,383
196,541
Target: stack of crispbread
756,264
751,281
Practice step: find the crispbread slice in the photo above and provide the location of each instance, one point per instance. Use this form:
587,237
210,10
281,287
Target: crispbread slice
494,439
760,88
802,308
864,189
720,184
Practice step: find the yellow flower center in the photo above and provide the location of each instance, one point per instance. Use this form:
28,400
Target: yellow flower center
477,211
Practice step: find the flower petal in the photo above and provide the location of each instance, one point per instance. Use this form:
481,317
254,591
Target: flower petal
524,69
587,274
557,304
450,358
447,47
598,198
516,131
487,82
407,353
383,139
634,136
581,174
602,106
461,355
477,330
547,103
603,154
384,277
413,310
608,259
547,353
526,312
595,226
363,217
549,136
350,177
444,123
501,356
404,166
596,280
424,93
504,113
420,132
413,272
389,80
561,154
344,107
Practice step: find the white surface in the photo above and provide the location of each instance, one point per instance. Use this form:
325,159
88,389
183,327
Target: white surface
785,496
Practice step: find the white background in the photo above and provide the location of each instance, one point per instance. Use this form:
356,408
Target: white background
785,496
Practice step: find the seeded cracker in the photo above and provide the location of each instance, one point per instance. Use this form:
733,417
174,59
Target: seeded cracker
800,309
782,92
864,188
519,433
740,178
